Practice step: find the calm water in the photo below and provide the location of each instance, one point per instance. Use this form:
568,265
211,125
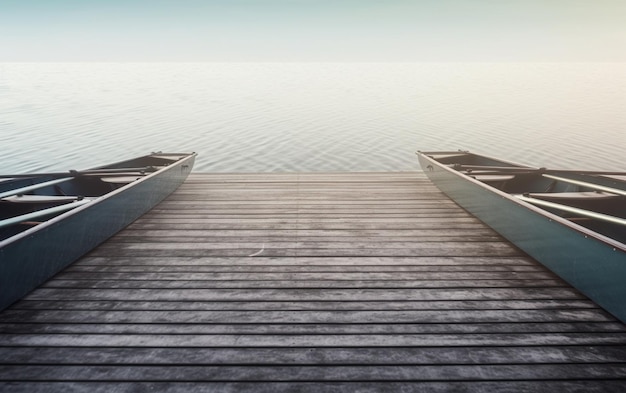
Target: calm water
311,117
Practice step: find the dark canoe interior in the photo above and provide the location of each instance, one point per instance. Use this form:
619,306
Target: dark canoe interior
155,160
539,183
81,186
463,158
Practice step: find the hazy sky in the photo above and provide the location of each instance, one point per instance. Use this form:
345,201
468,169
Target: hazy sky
313,30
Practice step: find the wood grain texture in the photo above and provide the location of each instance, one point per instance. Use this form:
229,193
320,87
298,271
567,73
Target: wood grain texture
311,282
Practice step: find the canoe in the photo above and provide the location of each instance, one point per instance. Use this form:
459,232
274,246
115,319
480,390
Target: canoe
571,221
49,220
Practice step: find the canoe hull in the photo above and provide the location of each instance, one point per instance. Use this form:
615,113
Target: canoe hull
593,265
35,256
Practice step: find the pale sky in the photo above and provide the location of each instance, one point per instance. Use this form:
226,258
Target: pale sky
313,30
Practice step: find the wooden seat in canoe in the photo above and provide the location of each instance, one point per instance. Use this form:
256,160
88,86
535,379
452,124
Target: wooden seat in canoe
42,198
492,178
120,179
562,196
169,157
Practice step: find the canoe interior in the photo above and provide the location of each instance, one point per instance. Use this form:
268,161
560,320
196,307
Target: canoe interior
466,158
79,186
156,160
539,183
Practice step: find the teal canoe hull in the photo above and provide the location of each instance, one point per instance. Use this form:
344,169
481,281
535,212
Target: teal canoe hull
594,265
31,258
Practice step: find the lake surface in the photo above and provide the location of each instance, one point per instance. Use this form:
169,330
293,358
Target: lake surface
249,117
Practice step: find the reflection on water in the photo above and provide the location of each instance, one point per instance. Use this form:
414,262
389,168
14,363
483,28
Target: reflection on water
311,117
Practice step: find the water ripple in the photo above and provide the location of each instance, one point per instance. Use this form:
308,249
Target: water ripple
311,117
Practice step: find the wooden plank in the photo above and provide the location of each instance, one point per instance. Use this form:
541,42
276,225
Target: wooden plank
340,194
304,176
325,204
244,268
310,261
246,206
332,242
314,356
294,252
291,213
312,373
344,198
298,191
307,261
543,386
460,246
141,283
298,276
295,225
192,216
383,222
303,187
531,328
290,294
540,304
296,206
310,340
391,234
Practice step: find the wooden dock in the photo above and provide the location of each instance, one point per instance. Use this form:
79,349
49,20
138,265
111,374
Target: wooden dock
369,282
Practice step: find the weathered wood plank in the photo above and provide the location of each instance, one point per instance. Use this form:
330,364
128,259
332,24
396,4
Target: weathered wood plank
321,210
231,268
345,196
142,283
295,252
311,340
314,356
283,220
532,328
422,204
294,207
305,305
295,225
391,234
319,276
312,177
194,215
313,373
312,294
345,242
543,386
326,203
273,241
306,316
312,261
460,246
298,189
